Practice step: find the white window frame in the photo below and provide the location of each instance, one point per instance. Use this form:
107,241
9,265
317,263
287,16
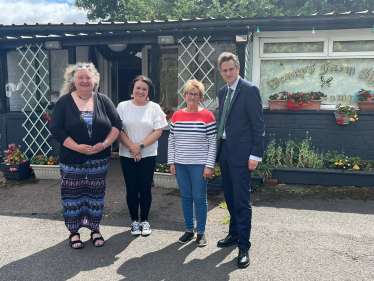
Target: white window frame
264,41
351,54
327,36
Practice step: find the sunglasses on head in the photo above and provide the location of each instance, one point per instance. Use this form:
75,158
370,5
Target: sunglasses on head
83,65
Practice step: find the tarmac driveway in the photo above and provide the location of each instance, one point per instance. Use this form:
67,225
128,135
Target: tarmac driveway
293,238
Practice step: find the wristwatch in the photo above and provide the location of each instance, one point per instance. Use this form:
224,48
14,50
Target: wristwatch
141,145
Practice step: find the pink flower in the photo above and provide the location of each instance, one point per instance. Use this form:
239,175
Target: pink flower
13,169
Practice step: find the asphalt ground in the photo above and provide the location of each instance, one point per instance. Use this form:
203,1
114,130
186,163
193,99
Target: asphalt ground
298,233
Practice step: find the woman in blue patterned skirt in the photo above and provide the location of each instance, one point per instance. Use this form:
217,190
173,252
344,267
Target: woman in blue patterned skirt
85,123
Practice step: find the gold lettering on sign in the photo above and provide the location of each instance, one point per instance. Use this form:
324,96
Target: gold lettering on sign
365,73
325,67
350,98
274,83
332,98
371,78
350,70
311,69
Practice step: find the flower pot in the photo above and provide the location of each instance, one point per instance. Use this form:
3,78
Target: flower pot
256,180
214,186
168,125
46,172
346,119
271,182
22,170
282,105
366,105
165,180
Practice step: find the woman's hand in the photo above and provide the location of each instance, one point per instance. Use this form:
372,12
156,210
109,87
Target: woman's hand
137,157
135,149
172,170
86,149
207,173
98,147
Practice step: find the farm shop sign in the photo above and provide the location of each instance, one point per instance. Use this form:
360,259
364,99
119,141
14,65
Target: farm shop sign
324,69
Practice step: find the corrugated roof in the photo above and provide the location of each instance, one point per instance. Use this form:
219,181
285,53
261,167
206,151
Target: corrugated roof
328,21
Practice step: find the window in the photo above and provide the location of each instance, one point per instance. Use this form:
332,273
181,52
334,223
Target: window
49,80
294,47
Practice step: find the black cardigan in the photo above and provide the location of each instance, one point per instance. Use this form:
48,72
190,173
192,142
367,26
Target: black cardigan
66,121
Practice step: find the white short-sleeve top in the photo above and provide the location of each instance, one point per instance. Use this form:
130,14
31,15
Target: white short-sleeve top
138,122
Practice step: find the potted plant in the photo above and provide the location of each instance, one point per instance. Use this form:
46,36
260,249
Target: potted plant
257,177
16,166
215,181
266,170
163,178
168,110
345,113
365,100
296,101
45,167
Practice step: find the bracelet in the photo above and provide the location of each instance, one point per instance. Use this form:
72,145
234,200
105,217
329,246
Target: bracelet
104,145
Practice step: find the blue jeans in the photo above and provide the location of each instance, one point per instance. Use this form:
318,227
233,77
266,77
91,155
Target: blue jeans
192,187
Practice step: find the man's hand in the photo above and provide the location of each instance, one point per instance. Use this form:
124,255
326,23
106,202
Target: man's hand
252,164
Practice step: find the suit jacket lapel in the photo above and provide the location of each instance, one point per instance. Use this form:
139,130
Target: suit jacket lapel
237,90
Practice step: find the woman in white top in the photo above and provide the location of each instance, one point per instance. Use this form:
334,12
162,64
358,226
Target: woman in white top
142,122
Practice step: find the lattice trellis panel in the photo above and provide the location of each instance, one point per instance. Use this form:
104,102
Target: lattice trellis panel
191,66
34,80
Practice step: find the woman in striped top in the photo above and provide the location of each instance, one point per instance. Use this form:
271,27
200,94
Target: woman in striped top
191,156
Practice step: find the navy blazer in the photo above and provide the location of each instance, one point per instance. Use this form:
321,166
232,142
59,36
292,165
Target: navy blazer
244,127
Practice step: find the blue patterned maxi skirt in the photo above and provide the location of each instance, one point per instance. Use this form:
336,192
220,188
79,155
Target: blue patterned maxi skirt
83,193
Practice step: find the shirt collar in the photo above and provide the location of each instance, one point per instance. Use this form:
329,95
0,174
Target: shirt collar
233,87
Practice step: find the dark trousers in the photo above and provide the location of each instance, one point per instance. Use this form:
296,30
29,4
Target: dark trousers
236,187
138,178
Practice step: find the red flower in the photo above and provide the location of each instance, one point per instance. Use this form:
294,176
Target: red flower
164,105
289,95
169,116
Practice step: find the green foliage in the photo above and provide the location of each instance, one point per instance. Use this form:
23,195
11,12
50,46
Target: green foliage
347,110
298,154
44,160
216,172
365,95
13,155
162,168
334,160
134,10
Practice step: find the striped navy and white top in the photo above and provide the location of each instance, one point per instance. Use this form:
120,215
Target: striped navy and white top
193,138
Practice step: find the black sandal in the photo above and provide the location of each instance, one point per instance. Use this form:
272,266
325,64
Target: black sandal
71,243
97,239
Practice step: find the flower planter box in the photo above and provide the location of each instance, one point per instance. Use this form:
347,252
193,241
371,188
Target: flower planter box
256,180
271,182
323,177
366,105
282,105
346,119
214,186
23,170
46,172
164,180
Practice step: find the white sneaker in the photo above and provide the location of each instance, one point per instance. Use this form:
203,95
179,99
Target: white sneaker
135,228
146,228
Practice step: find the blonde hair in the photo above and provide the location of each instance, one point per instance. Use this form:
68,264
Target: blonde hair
226,56
194,85
71,72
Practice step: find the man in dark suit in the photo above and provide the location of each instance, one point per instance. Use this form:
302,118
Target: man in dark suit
241,135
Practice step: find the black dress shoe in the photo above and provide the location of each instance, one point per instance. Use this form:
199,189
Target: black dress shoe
243,258
228,241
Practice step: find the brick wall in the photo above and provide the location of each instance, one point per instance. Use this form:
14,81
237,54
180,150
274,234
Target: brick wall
356,138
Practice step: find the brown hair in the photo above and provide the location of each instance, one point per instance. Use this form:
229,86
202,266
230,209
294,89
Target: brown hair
226,56
145,79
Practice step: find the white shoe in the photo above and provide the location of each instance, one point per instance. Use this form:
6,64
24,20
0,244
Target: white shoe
135,228
146,228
